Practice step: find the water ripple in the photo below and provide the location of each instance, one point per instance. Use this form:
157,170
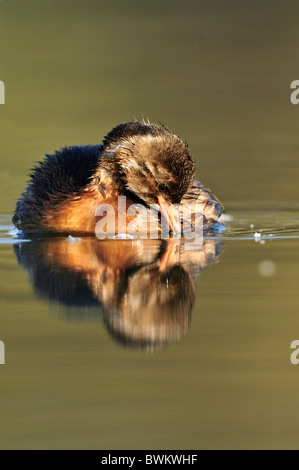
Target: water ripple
247,225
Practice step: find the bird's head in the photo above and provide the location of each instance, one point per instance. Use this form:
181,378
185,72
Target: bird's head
149,162
154,166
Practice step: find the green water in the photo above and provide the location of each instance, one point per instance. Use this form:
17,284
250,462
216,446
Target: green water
219,374
221,377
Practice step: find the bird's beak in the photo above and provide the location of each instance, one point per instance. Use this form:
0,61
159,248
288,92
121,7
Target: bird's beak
168,212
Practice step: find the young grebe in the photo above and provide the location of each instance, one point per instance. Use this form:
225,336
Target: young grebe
140,160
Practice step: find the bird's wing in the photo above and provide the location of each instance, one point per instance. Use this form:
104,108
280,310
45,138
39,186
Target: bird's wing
207,204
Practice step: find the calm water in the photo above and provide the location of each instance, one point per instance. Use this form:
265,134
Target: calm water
99,356
103,354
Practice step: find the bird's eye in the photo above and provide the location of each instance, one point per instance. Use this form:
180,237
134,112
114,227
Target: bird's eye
163,188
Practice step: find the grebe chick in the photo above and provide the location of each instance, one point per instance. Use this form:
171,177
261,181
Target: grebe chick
143,161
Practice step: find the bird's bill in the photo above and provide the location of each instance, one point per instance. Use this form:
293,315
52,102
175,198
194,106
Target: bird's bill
169,213
171,255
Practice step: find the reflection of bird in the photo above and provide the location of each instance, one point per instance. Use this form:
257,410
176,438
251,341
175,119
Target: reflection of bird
143,161
144,289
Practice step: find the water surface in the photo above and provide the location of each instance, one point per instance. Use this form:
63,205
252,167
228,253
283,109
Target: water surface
203,362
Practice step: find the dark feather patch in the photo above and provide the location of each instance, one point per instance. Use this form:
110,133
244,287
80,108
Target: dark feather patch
53,180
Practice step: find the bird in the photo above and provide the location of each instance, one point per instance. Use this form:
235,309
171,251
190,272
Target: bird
142,161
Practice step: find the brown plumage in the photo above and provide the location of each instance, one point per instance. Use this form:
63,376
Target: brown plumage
143,161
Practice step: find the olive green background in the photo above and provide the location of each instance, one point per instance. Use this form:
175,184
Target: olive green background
218,73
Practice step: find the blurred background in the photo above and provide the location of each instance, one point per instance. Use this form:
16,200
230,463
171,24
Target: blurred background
217,73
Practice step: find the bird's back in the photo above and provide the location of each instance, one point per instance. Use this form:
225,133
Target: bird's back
53,181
